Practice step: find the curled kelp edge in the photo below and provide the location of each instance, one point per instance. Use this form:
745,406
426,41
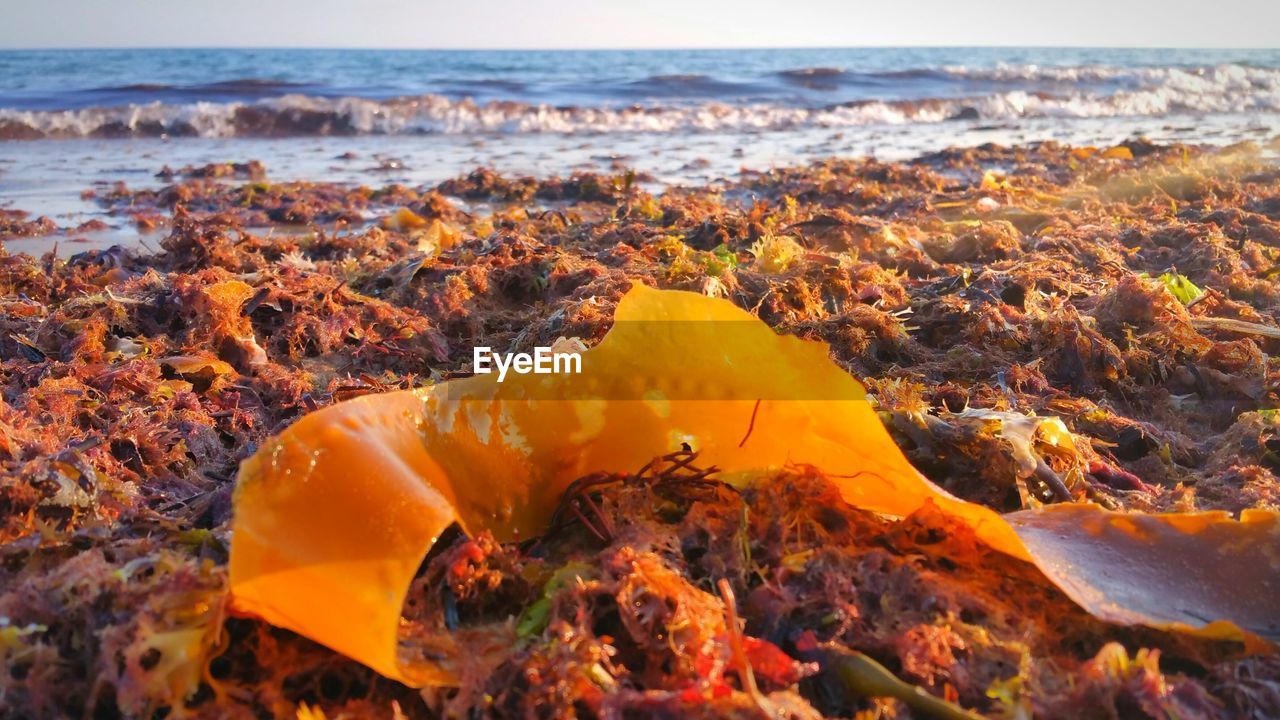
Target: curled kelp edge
1187,572
334,516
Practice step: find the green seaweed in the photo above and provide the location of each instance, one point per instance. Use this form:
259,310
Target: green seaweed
1181,287
534,619
861,675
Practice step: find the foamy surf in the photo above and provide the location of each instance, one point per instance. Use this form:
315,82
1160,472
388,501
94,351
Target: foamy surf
300,115
460,94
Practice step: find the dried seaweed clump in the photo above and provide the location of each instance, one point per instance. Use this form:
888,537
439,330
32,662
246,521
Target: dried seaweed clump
1029,284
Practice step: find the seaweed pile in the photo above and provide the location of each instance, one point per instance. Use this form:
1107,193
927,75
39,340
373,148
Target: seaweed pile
1037,324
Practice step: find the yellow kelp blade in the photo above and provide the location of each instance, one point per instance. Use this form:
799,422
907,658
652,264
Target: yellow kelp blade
676,368
332,520
1187,572
334,516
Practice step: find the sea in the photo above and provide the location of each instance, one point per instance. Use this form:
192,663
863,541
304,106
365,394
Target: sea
72,120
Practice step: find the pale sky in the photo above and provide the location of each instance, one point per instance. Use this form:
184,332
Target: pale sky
636,23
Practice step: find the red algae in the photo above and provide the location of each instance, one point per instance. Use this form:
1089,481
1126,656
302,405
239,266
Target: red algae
997,301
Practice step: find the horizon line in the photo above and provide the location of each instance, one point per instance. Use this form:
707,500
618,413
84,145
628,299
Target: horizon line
672,48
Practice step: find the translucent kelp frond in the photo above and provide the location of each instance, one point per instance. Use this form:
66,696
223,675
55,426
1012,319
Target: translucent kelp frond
334,516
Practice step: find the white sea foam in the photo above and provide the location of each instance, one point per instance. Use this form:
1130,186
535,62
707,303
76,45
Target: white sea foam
1072,92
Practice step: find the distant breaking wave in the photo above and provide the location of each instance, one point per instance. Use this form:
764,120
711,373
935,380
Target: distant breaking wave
1229,77
673,103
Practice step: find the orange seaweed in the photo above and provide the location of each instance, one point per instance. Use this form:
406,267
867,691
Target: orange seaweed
334,516
1186,572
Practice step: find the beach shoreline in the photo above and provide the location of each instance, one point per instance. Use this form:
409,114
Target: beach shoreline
61,179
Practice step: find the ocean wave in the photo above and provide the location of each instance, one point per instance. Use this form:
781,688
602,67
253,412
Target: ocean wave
1230,91
1216,78
685,86
1210,81
247,87
812,72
